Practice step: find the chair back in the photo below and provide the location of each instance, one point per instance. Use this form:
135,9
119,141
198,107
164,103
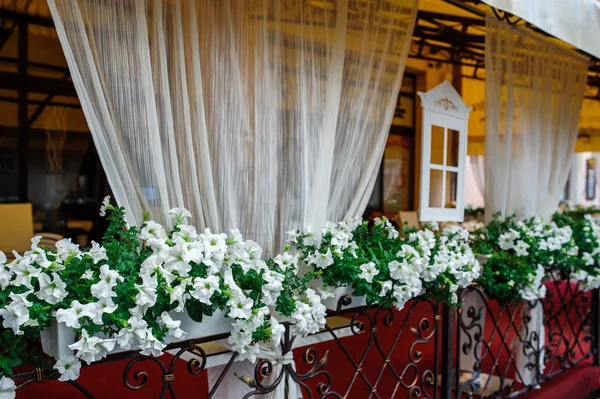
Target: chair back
16,228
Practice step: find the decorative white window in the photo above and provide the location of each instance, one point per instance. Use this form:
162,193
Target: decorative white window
443,154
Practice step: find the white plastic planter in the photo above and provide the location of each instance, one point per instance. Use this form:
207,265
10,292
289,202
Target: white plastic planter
332,303
216,324
57,338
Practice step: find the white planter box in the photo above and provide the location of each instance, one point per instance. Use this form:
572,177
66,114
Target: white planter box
57,338
216,324
332,303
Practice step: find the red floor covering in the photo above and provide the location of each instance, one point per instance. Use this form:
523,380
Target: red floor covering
414,361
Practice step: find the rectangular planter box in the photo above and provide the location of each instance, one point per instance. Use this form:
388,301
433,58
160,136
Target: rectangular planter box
332,303
57,338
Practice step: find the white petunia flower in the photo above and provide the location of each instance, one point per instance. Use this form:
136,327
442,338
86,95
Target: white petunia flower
104,305
8,389
70,317
180,215
88,275
150,346
108,280
240,307
51,290
24,272
180,295
506,241
151,229
520,248
105,205
97,253
87,348
385,288
322,260
368,271
204,288
286,260
146,296
277,331
172,326
69,368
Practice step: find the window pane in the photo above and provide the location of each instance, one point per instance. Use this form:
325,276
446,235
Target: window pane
435,188
451,179
437,145
453,137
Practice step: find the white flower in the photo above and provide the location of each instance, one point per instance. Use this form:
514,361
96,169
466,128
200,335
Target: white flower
51,290
8,390
239,338
385,288
180,215
146,296
105,205
16,314
181,255
322,260
152,229
65,249
588,259
24,272
204,288
521,248
68,367
240,307
250,353
150,346
186,233
277,331
70,317
506,241
368,271
286,260
92,349
108,280
97,252
104,305
179,294
5,274
88,275
2,258
172,326
396,269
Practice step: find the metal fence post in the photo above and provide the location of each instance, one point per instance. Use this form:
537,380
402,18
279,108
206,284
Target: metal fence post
447,351
596,325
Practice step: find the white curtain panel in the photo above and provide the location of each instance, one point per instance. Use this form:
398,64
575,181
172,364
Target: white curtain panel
478,168
259,115
534,92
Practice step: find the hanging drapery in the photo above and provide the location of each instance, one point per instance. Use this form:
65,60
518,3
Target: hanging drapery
478,168
259,115
534,92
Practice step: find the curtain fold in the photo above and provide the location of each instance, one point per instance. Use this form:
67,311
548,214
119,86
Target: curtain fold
478,167
534,93
259,115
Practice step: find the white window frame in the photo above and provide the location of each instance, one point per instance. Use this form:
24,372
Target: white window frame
443,107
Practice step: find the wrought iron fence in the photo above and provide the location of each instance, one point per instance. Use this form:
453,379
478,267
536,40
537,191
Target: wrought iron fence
424,351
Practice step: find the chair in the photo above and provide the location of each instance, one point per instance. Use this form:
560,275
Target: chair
49,240
410,217
17,227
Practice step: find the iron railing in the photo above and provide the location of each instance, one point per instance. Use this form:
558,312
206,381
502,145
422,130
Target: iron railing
424,351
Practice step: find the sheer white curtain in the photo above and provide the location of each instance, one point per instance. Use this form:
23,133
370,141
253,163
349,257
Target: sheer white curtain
254,114
534,93
260,115
478,168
